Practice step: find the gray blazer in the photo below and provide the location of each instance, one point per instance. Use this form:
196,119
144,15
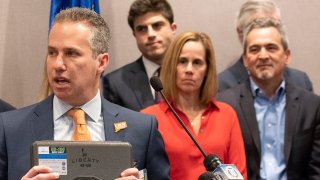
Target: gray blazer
302,130
237,74
20,128
129,86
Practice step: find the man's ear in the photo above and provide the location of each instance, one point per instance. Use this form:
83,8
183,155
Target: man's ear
174,27
103,62
288,56
240,35
245,60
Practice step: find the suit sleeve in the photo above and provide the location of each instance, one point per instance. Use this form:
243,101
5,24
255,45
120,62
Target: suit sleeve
157,161
3,152
314,164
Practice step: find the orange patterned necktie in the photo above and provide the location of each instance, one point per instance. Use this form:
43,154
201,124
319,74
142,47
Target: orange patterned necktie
81,132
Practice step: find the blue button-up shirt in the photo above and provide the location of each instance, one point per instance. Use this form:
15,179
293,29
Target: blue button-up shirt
270,114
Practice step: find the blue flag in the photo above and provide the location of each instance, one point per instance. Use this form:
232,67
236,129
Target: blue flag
58,5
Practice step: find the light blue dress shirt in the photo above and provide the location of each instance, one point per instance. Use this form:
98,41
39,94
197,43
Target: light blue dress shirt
271,120
64,125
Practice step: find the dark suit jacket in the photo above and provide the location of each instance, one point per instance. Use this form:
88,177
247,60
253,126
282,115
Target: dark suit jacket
129,86
237,74
302,130
4,106
20,128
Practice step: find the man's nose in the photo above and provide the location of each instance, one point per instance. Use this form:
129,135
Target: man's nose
59,63
263,54
151,31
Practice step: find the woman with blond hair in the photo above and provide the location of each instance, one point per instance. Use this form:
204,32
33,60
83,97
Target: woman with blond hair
189,79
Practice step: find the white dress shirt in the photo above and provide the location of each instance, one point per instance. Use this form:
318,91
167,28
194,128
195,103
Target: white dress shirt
64,125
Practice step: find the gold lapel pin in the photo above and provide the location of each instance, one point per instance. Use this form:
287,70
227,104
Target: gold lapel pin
119,126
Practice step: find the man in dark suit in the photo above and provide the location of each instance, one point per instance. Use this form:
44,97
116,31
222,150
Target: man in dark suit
237,73
153,27
280,122
77,56
4,106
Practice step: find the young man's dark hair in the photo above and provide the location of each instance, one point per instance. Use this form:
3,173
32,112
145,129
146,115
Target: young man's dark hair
141,7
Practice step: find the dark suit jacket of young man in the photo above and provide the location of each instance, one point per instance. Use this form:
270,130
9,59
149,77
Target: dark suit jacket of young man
302,130
4,106
20,128
237,74
129,86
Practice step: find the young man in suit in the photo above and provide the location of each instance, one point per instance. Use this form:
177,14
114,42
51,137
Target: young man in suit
78,46
237,73
280,122
153,27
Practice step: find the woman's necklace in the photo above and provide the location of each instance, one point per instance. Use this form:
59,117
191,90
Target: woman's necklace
194,120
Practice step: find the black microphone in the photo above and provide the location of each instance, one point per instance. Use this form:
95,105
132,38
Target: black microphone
157,86
212,162
220,171
207,176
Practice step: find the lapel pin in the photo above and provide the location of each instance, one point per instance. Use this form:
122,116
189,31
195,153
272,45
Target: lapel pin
119,126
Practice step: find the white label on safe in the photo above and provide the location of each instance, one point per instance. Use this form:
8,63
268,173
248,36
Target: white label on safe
57,162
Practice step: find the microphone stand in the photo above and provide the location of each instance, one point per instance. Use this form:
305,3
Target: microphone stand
183,125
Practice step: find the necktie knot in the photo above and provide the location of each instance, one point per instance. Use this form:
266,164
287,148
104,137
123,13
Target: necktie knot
78,116
81,132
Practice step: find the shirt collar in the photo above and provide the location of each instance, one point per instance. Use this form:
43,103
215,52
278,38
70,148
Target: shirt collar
257,92
166,108
150,66
91,108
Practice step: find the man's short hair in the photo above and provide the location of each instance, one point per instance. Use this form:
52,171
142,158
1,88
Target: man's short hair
256,8
141,7
266,23
100,38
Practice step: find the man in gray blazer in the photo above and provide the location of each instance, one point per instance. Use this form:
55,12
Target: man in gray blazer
280,122
237,73
153,27
77,56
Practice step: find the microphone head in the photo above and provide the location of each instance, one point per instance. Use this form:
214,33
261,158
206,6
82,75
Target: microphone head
211,162
156,83
207,176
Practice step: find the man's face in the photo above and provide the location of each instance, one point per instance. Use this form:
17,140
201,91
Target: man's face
72,71
153,33
265,57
